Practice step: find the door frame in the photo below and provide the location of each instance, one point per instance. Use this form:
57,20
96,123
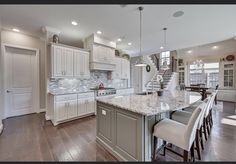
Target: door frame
36,101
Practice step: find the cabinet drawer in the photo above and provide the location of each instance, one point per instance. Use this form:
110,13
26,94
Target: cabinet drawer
66,97
86,95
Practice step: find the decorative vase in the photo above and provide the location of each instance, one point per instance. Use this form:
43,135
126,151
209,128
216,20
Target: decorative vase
160,92
55,39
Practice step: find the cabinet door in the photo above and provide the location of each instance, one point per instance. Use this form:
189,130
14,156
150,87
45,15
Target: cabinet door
72,109
78,64
90,106
125,69
117,73
58,61
85,65
82,107
68,53
61,111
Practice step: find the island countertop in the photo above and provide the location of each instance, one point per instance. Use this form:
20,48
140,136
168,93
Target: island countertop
153,104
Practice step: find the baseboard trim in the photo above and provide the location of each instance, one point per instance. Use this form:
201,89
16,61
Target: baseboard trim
1,127
41,110
47,117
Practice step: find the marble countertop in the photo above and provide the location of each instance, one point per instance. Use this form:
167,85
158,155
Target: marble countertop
153,104
64,92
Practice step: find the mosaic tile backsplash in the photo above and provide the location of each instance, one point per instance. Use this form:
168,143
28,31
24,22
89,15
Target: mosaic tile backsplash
96,78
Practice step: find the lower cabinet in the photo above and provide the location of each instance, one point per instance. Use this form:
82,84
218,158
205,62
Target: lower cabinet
66,107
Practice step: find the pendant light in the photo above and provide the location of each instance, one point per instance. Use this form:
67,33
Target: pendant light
164,65
140,62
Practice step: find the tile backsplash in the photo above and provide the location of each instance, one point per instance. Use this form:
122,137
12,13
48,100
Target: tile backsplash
96,77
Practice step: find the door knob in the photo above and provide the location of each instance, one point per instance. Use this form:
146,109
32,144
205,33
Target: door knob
8,91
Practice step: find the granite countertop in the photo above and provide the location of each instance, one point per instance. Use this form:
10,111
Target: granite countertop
153,104
63,92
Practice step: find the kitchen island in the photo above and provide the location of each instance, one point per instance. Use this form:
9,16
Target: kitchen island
125,123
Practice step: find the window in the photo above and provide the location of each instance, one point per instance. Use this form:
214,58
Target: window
207,75
165,56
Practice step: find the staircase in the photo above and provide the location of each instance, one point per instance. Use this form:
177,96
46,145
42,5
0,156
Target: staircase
154,85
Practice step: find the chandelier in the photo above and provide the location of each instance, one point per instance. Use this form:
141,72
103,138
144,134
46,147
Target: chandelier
198,64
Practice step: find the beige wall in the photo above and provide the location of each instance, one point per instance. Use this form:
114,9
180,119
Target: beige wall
9,37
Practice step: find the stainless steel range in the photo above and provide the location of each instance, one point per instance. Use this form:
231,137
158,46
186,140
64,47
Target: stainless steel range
104,91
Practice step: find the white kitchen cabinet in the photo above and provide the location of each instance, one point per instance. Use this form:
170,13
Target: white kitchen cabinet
62,61
66,62
62,108
61,111
125,69
122,70
72,109
81,64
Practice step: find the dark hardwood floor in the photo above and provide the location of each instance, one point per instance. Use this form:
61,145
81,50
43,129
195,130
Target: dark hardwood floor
30,138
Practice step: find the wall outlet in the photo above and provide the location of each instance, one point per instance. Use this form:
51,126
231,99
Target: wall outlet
104,112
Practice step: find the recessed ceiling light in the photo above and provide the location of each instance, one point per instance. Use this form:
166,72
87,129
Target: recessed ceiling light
99,32
74,23
190,51
119,39
129,43
16,30
161,47
178,14
215,47
112,42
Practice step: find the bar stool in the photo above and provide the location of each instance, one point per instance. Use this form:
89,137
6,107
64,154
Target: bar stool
178,134
184,116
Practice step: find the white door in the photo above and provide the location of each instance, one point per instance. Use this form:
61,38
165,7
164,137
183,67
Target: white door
61,110
20,81
72,109
68,55
137,79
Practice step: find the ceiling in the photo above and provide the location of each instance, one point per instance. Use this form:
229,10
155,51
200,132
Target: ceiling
200,24
226,47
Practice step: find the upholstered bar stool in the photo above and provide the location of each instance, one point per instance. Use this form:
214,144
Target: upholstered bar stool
178,134
184,116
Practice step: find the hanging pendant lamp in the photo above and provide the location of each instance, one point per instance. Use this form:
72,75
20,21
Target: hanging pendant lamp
140,62
164,65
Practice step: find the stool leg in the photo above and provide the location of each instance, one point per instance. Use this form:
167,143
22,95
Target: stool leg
198,145
192,152
185,156
201,138
154,148
204,128
208,125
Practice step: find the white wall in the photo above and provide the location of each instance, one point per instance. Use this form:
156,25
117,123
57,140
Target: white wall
9,37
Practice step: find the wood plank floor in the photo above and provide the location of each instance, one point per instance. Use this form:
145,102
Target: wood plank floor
30,138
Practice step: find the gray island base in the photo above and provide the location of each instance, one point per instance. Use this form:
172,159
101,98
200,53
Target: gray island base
125,123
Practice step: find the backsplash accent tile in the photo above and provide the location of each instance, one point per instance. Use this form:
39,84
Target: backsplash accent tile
96,78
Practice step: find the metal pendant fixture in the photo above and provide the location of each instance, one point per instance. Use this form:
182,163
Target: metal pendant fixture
164,65
140,63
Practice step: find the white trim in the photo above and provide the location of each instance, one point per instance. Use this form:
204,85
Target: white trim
1,127
42,110
36,77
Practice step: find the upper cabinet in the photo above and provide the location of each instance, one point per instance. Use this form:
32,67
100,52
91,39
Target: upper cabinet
68,62
122,70
102,53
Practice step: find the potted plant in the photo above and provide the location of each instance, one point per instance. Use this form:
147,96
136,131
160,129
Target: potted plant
160,80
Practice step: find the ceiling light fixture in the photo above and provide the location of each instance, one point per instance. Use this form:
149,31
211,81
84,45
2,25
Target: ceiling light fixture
99,32
119,39
129,43
16,30
178,14
74,23
190,51
161,47
215,47
140,63
164,65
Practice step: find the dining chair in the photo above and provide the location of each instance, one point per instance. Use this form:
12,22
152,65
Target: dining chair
184,116
178,134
